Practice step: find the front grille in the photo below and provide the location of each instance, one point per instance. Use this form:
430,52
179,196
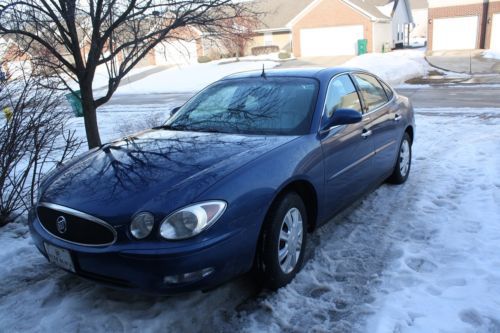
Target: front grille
74,226
106,279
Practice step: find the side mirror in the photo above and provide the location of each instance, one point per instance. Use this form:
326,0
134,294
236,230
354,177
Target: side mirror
174,110
344,117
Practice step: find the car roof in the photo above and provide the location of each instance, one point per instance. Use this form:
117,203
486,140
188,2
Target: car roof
313,72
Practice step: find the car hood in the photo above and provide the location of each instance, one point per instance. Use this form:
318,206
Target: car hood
156,170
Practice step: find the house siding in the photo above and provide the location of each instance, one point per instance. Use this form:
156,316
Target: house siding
330,13
281,39
481,10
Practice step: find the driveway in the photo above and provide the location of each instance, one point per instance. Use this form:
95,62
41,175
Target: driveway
464,61
316,61
450,96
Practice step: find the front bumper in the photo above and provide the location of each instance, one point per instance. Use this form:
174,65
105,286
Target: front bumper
147,269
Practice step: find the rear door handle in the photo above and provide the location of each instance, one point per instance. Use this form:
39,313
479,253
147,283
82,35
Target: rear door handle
397,117
366,133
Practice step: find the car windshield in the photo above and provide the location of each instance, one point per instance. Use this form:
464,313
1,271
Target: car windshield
275,106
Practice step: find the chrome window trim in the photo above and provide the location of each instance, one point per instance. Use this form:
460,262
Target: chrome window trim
336,76
71,211
350,74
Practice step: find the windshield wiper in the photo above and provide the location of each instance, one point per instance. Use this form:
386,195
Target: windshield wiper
170,127
209,130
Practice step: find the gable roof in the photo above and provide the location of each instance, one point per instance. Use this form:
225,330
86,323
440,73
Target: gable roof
419,4
281,14
369,7
276,14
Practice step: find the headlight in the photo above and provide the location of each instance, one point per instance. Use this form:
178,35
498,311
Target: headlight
141,225
190,221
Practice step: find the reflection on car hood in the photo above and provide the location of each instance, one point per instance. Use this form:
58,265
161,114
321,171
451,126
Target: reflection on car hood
156,171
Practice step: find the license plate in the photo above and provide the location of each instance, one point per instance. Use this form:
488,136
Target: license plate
60,257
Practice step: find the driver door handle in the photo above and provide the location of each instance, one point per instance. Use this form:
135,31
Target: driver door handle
366,133
397,117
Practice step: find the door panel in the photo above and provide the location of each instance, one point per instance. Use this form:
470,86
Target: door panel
384,128
348,160
347,149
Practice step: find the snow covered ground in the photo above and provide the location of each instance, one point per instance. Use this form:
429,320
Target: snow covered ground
422,257
191,78
394,67
491,54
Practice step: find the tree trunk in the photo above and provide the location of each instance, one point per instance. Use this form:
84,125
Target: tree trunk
90,116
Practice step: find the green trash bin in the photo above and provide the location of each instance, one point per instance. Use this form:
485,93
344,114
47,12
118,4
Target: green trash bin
75,100
362,46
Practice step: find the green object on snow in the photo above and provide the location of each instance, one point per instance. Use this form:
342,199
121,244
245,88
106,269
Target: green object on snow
74,98
362,46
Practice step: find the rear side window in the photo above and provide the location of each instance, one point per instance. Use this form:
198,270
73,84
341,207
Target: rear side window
372,91
341,95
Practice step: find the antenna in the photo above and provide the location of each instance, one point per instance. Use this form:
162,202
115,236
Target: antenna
263,75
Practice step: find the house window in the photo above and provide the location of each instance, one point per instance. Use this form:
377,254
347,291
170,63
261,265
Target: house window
268,38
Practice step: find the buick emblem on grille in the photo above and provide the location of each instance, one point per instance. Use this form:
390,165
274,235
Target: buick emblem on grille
61,224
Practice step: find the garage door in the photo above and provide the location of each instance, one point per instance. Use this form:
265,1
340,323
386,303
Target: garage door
495,33
458,33
330,41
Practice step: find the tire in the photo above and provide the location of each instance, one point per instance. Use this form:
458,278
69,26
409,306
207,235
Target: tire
272,271
403,163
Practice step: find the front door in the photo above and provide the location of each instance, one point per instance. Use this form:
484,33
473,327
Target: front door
347,149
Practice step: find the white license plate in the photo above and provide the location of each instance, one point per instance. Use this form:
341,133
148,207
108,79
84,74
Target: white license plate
60,257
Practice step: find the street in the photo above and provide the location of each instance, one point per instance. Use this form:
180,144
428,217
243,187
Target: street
470,96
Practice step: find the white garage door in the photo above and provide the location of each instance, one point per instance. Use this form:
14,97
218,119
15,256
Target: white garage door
330,41
458,33
495,33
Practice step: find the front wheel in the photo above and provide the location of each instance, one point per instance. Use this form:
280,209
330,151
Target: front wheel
403,164
282,242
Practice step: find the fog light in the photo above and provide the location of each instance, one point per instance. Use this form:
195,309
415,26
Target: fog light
188,277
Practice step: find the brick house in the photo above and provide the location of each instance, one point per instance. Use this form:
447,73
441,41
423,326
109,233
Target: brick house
332,27
464,24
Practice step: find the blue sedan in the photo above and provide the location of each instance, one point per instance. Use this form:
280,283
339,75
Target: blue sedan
233,182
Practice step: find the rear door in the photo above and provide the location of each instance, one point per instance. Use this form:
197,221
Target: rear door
347,149
380,108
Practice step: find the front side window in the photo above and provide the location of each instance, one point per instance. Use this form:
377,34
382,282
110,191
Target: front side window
279,106
388,90
372,92
341,95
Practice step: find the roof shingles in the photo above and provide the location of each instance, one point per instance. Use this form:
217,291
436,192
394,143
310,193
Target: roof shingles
276,14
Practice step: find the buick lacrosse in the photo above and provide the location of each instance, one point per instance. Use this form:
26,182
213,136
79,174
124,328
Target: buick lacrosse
234,181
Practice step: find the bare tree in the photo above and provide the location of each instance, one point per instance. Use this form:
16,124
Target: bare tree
33,139
242,31
73,37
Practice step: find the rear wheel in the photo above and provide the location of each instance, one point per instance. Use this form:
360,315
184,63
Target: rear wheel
403,164
282,243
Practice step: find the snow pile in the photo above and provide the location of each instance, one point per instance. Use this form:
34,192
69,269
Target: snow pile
190,78
394,67
491,54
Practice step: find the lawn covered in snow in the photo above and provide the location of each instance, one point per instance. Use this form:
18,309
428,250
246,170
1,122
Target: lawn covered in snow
394,67
421,257
191,78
